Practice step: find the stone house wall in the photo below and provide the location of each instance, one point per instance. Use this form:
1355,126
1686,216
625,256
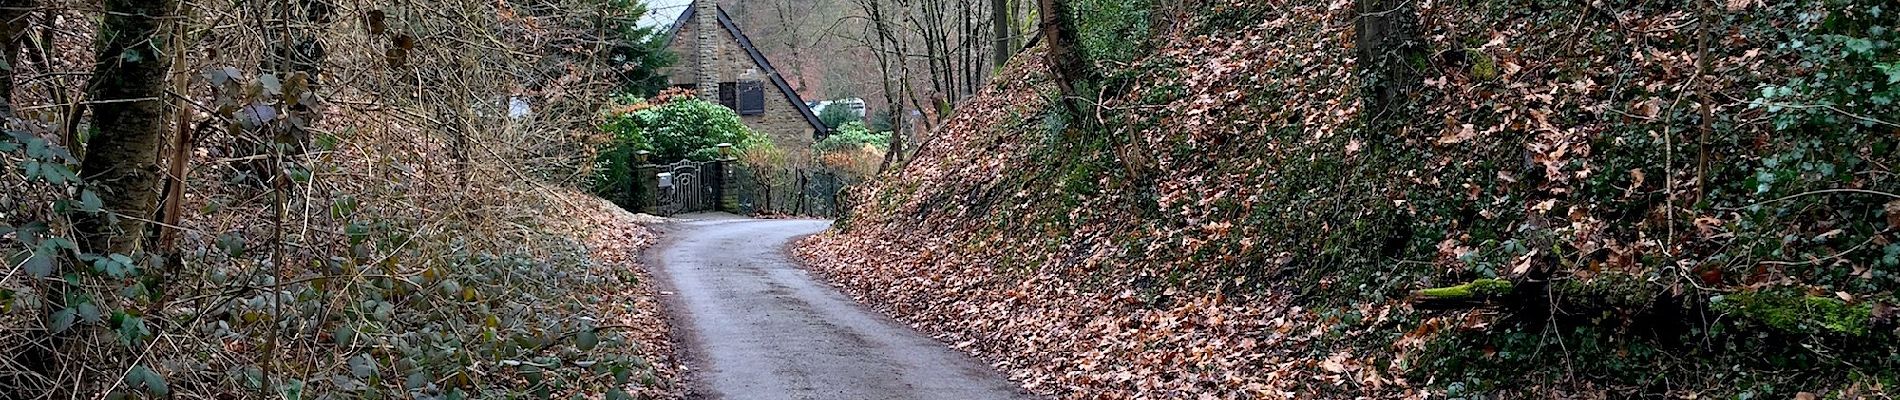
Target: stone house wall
781,121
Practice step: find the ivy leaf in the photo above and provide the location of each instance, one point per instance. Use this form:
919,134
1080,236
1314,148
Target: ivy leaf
1860,46
56,174
357,231
451,288
131,328
382,311
36,149
151,381
345,335
157,387
292,390
617,394
63,320
1892,70
586,340
417,379
255,115
362,367
88,313
40,264
271,85
342,207
232,244
90,202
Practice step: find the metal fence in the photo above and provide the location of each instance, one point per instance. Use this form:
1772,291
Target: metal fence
725,185
789,191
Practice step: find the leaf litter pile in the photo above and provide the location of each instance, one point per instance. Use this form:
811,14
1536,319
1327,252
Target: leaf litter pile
615,240
1600,200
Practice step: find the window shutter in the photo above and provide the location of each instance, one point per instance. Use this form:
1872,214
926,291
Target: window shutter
751,98
727,97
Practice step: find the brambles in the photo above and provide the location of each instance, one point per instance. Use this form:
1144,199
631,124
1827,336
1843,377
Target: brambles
374,230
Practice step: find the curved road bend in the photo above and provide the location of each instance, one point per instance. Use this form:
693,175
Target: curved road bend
758,326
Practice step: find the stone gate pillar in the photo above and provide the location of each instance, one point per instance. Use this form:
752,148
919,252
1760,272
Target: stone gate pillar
727,191
646,183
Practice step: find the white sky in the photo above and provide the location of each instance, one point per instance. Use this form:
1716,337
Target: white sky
660,13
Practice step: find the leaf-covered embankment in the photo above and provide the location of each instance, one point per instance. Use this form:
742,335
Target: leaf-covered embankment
1521,198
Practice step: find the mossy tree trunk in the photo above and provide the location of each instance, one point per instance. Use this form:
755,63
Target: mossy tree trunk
1386,39
12,29
1000,16
126,91
1070,67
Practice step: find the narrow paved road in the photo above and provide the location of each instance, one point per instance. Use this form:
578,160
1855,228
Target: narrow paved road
760,327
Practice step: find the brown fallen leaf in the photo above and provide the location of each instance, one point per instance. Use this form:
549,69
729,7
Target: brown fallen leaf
1893,214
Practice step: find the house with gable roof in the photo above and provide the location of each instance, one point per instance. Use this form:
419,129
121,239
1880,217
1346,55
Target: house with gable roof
718,61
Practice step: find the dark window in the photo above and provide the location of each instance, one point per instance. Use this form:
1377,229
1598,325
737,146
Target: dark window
751,98
727,97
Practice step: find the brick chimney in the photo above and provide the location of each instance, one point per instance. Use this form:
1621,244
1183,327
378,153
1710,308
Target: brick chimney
706,28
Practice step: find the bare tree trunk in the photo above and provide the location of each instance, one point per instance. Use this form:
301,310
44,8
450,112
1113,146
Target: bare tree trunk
889,47
126,88
1064,52
926,27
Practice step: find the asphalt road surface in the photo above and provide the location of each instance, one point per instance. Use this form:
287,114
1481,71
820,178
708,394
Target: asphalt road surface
758,326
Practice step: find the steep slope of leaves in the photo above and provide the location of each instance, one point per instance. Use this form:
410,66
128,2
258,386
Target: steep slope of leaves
1674,199
391,226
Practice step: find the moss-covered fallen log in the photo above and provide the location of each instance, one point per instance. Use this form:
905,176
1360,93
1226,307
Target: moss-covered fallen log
1475,290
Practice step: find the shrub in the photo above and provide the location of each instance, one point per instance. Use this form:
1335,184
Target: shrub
674,126
1112,30
850,136
879,121
837,116
613,166
688,127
